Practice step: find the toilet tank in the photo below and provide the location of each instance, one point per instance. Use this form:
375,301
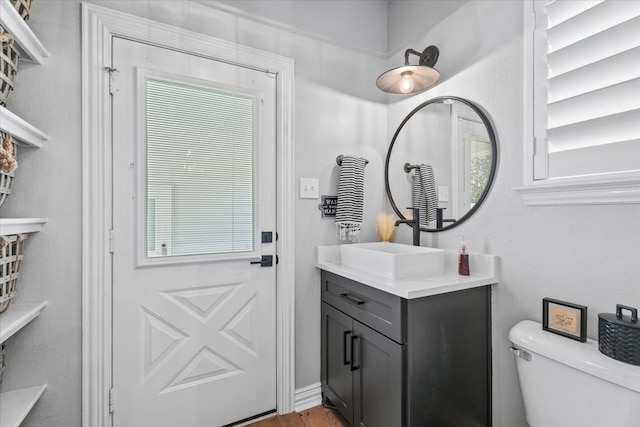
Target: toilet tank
569,383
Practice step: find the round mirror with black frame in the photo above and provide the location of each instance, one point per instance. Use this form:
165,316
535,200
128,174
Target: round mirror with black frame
443,159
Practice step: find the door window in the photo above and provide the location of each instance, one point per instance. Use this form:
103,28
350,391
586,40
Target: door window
199,172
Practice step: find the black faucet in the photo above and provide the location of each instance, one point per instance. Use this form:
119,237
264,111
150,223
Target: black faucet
415,223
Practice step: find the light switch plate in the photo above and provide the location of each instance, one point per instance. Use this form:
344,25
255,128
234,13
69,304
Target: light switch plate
308,188
443,193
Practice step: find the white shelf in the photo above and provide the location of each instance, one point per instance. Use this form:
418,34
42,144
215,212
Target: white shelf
18,316
28,43
23,131
9,226
16,404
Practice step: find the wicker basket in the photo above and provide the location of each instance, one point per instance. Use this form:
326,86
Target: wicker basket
11,255
619,336
8,65
7,176
23,7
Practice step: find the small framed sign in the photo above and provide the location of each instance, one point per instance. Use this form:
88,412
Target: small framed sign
564,318
328,206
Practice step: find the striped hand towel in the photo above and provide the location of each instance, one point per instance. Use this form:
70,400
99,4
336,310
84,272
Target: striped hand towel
349,211
425,197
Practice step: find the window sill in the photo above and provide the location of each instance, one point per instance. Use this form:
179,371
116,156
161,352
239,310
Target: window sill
581,192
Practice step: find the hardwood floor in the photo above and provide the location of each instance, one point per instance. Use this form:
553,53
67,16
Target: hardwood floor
317,416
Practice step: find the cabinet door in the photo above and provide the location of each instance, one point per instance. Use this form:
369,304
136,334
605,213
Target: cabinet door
378,379
337,340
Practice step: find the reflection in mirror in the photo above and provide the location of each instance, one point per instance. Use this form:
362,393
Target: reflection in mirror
453,138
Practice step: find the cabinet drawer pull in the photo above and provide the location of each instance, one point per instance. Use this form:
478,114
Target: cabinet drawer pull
352,299
353,358
346,361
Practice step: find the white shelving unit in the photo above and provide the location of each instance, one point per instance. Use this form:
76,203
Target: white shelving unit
10,226
16,404
28,43
17,317
23,131
31,49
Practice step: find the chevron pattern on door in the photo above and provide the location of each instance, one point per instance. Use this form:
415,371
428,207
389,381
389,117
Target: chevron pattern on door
161,337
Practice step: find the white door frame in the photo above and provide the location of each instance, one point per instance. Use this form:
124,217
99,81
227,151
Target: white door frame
99,26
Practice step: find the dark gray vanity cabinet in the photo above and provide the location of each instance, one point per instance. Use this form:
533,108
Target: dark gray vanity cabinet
392,362
364,371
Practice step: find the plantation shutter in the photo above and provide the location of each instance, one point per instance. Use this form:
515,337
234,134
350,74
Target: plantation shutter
199,169
593,87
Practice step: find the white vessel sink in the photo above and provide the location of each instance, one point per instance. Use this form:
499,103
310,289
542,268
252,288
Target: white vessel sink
393,260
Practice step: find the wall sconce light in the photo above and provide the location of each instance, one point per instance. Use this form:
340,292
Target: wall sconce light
412,78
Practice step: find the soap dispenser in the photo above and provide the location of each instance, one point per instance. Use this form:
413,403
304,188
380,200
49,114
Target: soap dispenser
463,259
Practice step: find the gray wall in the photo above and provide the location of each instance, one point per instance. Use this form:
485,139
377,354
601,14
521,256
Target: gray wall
48,184
584,254
337,111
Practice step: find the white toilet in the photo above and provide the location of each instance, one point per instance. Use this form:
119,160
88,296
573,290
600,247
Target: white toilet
569,383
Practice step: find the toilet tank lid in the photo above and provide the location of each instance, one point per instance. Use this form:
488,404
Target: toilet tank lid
529,335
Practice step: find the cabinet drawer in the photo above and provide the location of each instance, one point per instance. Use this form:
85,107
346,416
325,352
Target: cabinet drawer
379,310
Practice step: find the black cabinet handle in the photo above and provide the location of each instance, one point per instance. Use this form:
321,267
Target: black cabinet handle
346,360
352,299
353,365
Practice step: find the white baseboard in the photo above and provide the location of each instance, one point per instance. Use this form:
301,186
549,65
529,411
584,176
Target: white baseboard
308,397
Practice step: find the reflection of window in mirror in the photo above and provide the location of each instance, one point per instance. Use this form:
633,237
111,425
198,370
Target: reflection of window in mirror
471,151
480,153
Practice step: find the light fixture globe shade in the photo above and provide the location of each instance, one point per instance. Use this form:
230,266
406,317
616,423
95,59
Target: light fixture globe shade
393,80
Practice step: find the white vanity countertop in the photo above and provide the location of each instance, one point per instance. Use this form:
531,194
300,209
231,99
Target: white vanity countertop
483,272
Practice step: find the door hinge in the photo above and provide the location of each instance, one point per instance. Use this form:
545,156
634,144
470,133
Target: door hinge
111,399
112,79
111,240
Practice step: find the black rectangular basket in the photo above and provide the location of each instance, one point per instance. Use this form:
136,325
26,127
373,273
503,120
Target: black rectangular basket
619,336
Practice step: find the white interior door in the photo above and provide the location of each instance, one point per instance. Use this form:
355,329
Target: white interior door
194,326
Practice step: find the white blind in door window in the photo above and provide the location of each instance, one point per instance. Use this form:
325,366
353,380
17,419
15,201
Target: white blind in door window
199,169
593,109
